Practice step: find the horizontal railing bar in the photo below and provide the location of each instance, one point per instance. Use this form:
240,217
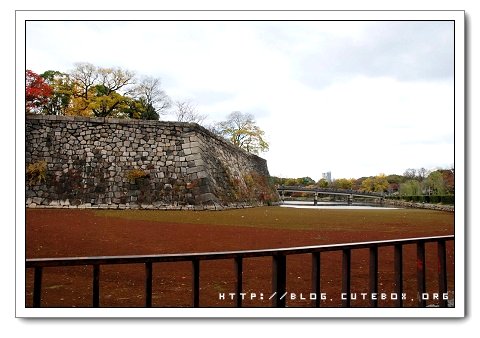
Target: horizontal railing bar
328,191
133,259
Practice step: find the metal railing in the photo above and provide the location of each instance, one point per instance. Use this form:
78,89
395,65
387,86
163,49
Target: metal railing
295,188
279,269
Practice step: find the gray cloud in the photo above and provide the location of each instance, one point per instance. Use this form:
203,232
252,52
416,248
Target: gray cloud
405,50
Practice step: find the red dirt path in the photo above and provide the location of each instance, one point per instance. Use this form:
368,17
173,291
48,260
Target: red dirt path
68,233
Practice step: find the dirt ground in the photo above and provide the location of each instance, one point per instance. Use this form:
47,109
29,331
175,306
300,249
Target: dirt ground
71,233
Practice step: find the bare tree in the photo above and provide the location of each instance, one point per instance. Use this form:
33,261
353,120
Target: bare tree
422,174
85,76
410,173
214,128
150,93
113,79
185,111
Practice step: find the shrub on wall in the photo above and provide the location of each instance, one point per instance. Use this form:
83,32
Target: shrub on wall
136,173
249,182
263,189
36,172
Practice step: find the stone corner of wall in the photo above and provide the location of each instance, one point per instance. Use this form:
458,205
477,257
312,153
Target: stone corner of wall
199,128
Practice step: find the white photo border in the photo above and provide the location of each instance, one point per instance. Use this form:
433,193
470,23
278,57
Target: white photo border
458,311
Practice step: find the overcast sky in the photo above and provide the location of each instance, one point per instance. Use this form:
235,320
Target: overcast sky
355,98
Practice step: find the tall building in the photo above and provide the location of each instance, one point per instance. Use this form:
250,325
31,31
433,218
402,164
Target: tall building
327,176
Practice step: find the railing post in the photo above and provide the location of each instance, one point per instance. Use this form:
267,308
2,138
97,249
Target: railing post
398,271
148,284
350,199
442,272
37,286
239,276
421,284
373,275
316,278
96,286
196,282
346,261
279,280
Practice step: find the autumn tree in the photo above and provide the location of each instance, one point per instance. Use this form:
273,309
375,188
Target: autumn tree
291,182
107,103
343,183
377,183
37,92
367,185
449,179
276,180
62,92
322,183
394,182
434,184
100,92
84,77
241,129
109,99
357,184
96,91
186,111
305,181
135,109
380,183
410,188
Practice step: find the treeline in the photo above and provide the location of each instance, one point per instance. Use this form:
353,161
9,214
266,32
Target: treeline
413,182
92,91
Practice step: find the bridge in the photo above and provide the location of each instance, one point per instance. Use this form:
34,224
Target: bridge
350,194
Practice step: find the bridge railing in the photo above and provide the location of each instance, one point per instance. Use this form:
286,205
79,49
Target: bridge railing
328,190
279,269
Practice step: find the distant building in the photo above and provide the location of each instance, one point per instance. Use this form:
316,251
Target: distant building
327,176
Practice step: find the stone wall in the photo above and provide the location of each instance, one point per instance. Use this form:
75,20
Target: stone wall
416,205
114,163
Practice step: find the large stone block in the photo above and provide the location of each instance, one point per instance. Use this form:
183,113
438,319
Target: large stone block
207,197
195,169
193,157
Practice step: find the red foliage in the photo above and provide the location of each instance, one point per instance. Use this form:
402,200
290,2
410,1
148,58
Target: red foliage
449,179
393,187
37,92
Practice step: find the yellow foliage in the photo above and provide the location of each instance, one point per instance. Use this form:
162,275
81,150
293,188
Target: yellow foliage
36,172
136,173
79,106
248,179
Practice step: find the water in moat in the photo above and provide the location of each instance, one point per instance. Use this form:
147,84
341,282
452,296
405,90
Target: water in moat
334,205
